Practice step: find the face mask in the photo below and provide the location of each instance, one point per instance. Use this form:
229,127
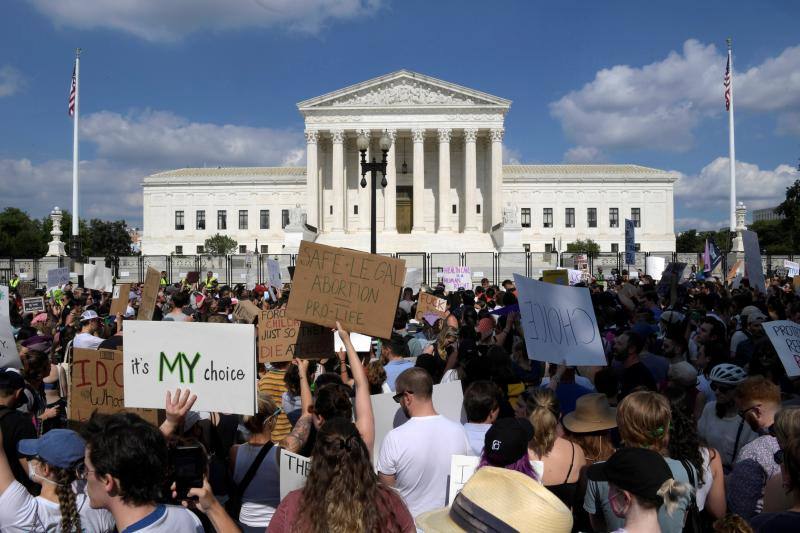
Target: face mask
33,475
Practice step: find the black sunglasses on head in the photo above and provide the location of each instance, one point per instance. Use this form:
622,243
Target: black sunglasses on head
397,397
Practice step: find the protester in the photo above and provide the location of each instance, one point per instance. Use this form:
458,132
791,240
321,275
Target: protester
627,348
90,324
589,426
393,355
506,446
482,406
15,425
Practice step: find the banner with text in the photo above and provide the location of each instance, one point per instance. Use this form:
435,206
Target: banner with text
428,303
97,277
752,261
556,276
559,323
630,242
57,277
216,361
461,469
358,289
283,339
785,337
457,277
33,305
293,473
9,356
792,268
274,272
120,298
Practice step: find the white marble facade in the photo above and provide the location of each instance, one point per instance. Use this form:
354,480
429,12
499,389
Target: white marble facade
444,138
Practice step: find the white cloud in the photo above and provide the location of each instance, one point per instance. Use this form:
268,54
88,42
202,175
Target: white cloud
700,224
511,156
657,106
757,188
171,20
11,80
583,154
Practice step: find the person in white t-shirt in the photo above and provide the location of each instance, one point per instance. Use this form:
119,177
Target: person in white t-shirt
53,462
482,406
90,324
415,457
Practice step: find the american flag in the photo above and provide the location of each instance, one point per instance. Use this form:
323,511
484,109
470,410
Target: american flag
72,95
726,82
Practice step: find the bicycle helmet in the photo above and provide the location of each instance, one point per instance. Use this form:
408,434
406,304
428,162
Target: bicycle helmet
728,374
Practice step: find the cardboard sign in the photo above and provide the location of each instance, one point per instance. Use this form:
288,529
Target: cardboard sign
152,282
26,289
752,261
792,267
461,469
447,400
630,242
121,296
428,303
558,276
734,270
57,277
192,277
216,361
672,271
293,472
97,385
559,323
413,278
796,283
98,278
33,305
246,311
654,266
282,339
361,343
9,356
274,273
785,337
457,277
358,289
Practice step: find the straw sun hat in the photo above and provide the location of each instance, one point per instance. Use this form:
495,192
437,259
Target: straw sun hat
502,500
592,413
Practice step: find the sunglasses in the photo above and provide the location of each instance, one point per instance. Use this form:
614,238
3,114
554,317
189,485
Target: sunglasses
397,397
718,387
743,412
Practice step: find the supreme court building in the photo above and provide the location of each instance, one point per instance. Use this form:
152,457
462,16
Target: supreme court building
447,187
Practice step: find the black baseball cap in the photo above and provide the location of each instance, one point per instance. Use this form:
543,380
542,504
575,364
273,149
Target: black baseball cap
507,440
637,470
11,379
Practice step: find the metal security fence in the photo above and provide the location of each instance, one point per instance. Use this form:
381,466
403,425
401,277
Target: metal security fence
252,268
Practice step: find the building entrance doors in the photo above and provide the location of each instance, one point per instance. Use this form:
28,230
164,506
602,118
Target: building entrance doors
405,209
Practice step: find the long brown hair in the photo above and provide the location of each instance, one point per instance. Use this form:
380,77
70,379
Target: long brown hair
341,465
70,519
544,413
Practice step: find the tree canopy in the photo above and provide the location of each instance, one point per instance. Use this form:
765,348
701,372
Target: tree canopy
583,245
220,245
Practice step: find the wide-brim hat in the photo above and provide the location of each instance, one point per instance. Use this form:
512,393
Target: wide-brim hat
592,413
498,499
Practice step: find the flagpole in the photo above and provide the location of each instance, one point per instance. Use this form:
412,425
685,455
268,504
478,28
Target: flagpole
76,247
731,143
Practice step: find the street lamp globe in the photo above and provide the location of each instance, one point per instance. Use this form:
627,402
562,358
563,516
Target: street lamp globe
362,142
385,143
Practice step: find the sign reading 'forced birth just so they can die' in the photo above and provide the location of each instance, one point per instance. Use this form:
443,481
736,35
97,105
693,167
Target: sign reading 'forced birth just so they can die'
358,289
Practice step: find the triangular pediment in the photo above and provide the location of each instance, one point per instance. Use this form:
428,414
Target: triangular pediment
404,89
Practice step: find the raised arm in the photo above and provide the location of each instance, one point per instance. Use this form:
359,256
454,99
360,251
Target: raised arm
6,475
177,406
365,420
294,441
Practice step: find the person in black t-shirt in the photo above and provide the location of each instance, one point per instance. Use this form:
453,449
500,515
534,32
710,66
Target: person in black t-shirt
15,425
627,348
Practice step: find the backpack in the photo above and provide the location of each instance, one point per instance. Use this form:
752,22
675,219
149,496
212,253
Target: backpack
694,522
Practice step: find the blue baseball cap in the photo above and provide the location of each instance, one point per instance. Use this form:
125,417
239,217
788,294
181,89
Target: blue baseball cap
62,448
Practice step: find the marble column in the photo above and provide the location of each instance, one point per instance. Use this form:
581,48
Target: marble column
496,136
312,179
363,192
337,178
418,194
390,191
470,179
443,199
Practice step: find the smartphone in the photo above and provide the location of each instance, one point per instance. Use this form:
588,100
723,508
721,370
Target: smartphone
189,467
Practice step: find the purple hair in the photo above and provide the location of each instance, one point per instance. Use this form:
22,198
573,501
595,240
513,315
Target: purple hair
523,465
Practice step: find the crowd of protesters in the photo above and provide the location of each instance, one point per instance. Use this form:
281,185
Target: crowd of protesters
693,424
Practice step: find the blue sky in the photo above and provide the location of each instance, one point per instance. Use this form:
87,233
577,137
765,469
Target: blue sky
173,83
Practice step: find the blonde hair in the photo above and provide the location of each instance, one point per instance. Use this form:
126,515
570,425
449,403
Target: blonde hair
266,409
441,342
672,492
643,419
544,414
787,431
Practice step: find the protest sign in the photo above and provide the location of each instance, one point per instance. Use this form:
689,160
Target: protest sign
121,296
274,273
97,384
282,339
734,270
558,276
428,303
293,472
630,242
57,277
654,266
361,343
246,311
457,277
796,283
574,276
559,323
752,261
413,278
9,356
192,277
97,277
671,271
33,305
216,361
461,469
447,400
147,306
785,337
792,267
358,289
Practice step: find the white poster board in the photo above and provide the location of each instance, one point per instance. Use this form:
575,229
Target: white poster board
559,323
785,337
98,278
9,356
413,278
360,342
293,472
461,469
575,276
752,261
274,273
654,266
457,277
57,277
447,400
792,267
216,361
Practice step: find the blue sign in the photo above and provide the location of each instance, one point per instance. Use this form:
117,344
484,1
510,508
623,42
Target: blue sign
630,243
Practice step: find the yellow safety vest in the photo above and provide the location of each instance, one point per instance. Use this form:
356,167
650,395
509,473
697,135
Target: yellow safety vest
164,282
14,283
209,284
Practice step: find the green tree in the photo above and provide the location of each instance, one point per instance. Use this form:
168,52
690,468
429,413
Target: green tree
20,235
773,236
107,239
581,245
687,241
790,209
220,245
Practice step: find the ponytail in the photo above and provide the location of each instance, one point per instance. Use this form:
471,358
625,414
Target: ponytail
672,492
70,519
